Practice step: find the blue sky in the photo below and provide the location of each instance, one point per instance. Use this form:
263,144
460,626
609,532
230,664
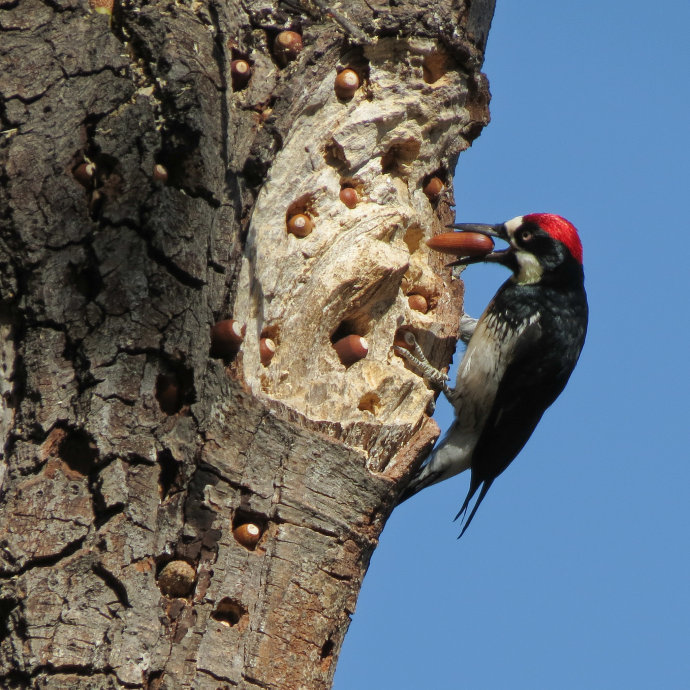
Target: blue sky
575,572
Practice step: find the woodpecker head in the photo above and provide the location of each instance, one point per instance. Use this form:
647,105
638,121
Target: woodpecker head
542,248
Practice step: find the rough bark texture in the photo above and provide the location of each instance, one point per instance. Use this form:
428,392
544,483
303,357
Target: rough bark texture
126,447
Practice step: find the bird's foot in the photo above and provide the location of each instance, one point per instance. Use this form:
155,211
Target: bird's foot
416,357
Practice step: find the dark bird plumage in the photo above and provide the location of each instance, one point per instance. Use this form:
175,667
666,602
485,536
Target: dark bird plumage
519,358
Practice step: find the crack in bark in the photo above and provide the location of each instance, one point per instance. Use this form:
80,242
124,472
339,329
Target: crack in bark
45,561
112,582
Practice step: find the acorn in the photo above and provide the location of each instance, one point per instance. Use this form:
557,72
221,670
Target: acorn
176,579
160,174
300,225
400,338
346,83
349,196
84,173
468,244
102,6
287,46
434,67
226,338
267,348
248,534
351,349
240,71
433,187
418,303
168,393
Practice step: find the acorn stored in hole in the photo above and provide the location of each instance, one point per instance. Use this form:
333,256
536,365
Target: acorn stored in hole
468,244
287,46
248,534
433,187
346,83
102,6
168,393
349,196
176,579
226,338
160,173
300,225
267,348
240,71
351,349
84,173
400,338
418,303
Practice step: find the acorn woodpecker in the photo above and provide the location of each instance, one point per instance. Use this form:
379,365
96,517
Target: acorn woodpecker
519,355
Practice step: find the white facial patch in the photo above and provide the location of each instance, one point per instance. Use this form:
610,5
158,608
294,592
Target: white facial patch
513,225
530,268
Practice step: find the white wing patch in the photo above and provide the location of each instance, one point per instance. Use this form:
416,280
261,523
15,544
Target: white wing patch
488,355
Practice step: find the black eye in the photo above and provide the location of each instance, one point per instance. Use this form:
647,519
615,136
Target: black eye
525,235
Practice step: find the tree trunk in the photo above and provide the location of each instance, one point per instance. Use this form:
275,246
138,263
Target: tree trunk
147,188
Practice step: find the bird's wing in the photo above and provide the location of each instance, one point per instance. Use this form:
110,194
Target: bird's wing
492,350
524,392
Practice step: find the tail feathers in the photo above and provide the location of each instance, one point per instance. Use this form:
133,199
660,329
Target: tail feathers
474,485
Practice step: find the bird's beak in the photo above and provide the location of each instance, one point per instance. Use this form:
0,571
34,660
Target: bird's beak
483,229
499,231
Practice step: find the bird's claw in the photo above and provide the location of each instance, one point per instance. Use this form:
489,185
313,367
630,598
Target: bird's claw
418,360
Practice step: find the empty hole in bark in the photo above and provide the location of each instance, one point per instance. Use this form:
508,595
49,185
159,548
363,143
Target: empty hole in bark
169,476
86,279
434,67
154,680
400,154
327,649
78,451
369,402
174,388
327,654
473,131
413,238
229,612
334,155
168,393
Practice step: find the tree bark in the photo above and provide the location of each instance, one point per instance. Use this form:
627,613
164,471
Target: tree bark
146,191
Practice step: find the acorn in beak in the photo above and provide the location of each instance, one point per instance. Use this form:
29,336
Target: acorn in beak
473,244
